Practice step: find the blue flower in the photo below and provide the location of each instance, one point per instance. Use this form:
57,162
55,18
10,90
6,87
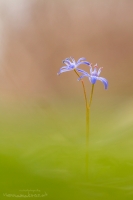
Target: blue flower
94,76
71,64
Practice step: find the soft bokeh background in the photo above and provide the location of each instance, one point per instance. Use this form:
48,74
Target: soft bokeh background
42,115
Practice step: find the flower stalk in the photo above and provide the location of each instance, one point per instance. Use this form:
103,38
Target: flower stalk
88,128
88,105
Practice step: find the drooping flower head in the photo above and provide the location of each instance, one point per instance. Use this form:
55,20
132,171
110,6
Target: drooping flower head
71,64
94,75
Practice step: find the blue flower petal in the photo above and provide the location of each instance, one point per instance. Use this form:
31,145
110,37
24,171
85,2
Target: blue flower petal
84,62
81,59
67,59
67,62
72,59
83,72
99,71
81,77
64,67
93,79
104,81
90,69
64,70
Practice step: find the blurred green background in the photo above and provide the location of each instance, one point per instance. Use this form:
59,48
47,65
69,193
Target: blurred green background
42,115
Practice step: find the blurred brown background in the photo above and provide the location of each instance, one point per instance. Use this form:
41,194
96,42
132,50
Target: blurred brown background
36,35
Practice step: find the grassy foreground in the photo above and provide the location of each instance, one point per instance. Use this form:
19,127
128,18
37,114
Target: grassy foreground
42,152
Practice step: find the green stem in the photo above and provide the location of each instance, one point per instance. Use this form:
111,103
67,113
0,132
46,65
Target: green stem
87,140
92,89
88,129
88,105
88,116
